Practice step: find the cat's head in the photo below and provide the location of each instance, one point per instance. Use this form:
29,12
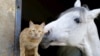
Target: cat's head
36,30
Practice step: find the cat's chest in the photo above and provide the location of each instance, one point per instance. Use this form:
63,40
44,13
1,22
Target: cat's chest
31,43
34,40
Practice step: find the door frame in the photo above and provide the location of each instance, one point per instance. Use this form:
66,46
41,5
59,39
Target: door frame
18,15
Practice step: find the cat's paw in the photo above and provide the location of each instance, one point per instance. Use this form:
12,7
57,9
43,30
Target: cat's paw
37,54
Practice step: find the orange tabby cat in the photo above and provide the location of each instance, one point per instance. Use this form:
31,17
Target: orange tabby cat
30,39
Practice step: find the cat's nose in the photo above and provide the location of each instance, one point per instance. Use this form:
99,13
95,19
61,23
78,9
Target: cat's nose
35,34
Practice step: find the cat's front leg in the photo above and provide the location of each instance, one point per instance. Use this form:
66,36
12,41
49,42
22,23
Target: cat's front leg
22,50
36,51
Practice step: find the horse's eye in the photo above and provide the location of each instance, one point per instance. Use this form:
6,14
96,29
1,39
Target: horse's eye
77,20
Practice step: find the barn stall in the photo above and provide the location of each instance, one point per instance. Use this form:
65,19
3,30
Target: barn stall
38,11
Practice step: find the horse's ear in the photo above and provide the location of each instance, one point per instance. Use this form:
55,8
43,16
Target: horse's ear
94,13
77,3
85,6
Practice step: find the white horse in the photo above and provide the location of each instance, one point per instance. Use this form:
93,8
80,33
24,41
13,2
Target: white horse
74,27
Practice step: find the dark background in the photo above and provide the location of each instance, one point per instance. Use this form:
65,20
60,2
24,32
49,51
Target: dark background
47,10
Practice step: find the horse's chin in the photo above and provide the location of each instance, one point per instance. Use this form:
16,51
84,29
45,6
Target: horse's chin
46,45
58,44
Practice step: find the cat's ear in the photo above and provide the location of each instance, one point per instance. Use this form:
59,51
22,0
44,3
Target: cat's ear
43,24
31,23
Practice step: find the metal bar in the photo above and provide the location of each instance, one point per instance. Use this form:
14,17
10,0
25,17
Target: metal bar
17,27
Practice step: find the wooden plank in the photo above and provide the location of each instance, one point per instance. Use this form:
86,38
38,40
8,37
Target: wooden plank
17,27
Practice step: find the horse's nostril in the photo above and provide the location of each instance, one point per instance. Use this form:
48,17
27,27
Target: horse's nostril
51,41
47,33
45,38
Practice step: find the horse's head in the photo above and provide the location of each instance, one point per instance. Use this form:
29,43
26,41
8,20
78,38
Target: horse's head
70,24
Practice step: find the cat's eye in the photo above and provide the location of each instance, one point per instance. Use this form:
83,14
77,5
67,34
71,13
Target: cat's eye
77,20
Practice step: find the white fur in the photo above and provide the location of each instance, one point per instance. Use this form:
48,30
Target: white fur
77,3
64,31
